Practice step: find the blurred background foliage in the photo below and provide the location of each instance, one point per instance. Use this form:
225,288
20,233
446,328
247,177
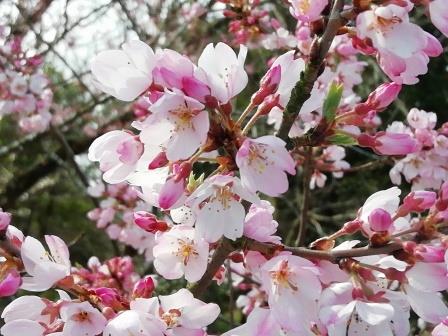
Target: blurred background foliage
38,182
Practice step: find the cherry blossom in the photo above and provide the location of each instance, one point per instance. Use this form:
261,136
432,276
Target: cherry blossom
44,268
126,73
306,10
222,70
439,15
118,153
217,208
179,125
263,162
177,252
82,318
293,288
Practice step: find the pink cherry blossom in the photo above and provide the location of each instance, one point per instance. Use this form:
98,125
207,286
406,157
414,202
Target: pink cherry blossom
177,314
293,289
118,153
263,162
178,125
81,319
222,70
45,269
346,310
439,15
126,73
216,205
178,252
390,30
307,10
260,224
260,322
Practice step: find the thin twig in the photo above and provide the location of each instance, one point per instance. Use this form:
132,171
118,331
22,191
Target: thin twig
303,219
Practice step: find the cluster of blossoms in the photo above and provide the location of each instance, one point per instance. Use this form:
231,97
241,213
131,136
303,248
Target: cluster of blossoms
427,167
286,294
24,89
190,223
110,298
115,215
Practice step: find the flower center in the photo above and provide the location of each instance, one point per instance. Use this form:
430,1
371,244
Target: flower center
182,118
186,250
383,24
257,158
171,317
224,195
81,317
281,277
304,6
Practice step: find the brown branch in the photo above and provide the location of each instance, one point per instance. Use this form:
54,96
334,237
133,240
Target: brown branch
221,253
333,256
302,90
226,247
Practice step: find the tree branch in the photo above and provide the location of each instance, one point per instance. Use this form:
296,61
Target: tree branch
221,253
302,90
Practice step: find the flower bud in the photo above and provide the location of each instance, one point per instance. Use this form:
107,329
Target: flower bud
149,222
268,104
385,143
352,226
268,85
380,220
170,193
159,161
417,201
383,96
143,288
10,283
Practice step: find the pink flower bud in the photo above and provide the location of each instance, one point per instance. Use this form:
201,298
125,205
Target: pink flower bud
143,288
380,220
268,104
159,161
170,193
108,296
10,284
418,201
272,78
5,220
383,96
149,222
384,143
352,226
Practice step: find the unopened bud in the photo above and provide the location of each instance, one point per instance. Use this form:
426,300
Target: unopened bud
143,288
380,220
149,222
159,161
268,104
